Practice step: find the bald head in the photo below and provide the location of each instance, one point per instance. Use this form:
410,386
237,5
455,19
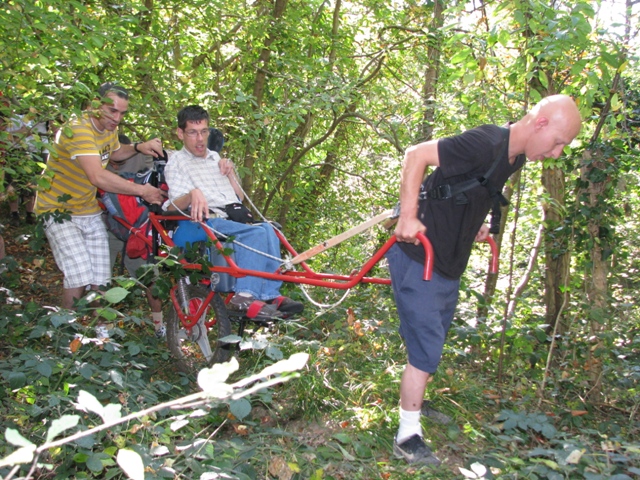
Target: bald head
549,126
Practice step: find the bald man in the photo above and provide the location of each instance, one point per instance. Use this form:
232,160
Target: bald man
450,207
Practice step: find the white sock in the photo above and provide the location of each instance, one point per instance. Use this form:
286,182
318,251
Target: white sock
409,425
157,319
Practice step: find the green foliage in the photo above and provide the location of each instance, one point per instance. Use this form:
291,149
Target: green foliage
320,144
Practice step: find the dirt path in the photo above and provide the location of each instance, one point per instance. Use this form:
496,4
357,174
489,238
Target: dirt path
34,276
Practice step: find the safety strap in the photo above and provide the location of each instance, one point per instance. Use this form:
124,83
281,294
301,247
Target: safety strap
446,191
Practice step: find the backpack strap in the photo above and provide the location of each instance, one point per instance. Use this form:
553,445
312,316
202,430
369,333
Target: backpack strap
446,191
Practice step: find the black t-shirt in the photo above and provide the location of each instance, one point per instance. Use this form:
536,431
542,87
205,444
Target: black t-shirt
452,224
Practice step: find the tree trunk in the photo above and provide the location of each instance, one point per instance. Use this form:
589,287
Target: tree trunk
557,254
596,284
429,90
259,85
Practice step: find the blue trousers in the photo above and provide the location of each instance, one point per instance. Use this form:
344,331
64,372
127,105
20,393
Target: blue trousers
259,236
425,309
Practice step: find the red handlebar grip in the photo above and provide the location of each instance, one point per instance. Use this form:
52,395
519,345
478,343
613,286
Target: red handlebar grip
493,264
428,256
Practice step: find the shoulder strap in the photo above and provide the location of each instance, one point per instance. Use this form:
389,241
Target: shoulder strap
442,192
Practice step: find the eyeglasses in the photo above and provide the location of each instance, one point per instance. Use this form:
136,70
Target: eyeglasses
195,133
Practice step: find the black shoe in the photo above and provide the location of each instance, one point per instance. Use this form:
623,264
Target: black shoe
31,218
414,450
286,305
246,305
15,219
433,414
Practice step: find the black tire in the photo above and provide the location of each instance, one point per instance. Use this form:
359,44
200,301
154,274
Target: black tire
189,355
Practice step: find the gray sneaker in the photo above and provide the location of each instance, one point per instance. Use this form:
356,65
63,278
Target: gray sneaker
161,332
433,414
414,450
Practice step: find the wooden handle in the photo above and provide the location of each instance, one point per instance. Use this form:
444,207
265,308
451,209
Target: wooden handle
321,247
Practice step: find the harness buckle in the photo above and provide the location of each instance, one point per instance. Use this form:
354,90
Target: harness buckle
441,192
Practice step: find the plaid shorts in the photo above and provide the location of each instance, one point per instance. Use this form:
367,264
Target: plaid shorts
80,247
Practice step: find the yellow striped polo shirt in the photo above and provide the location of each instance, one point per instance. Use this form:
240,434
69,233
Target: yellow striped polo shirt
68,176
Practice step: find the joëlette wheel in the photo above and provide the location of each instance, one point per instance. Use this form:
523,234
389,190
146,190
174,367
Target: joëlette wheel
199,347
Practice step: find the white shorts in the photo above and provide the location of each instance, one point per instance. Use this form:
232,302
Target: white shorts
80,247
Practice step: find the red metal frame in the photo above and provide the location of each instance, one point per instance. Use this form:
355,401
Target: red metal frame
305,276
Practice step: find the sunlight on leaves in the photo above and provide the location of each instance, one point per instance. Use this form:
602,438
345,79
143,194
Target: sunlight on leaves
212,380
131,463
574,457
111,412
60,425
178,424
230,339
14,438
89,403
297,361
22,455
478,471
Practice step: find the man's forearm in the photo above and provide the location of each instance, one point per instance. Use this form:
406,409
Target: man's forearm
125,152
181,203
111,182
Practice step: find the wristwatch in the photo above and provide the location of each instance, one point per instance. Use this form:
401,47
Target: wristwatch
135,147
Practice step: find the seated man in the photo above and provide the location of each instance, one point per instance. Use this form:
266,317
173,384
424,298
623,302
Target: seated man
198,178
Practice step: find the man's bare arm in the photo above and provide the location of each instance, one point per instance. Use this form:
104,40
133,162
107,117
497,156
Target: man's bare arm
416,160
226,168
195,198
152,147
110,182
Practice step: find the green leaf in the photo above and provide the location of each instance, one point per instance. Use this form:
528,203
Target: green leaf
38,331
131,463
44,369
240,408
60,319
116,294
542,76
461,56
274,353
134,349
86,370
80,457
60,425
342,438
17,380
230,339
14,438
612,60
117,378
347,456
94,463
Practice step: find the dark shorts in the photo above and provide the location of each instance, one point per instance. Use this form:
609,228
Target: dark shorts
425,309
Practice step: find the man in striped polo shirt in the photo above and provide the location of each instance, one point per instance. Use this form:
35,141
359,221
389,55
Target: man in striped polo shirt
79,155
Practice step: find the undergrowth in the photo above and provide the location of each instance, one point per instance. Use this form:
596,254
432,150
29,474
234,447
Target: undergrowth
337,419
